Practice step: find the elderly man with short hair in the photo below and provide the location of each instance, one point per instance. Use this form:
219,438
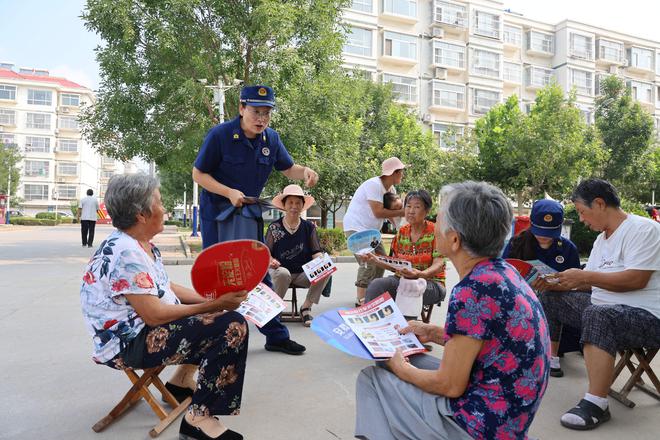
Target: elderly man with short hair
623,309
495,363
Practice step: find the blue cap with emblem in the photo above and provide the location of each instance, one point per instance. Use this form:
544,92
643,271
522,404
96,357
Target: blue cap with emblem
258,96
546,218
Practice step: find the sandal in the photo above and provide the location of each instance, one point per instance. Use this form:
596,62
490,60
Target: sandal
306,317
590,413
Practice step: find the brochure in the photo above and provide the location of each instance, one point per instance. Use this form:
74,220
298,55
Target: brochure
261,305
377,325
532,269
319,268
394,263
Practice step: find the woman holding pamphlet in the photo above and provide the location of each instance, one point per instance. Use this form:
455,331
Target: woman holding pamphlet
293,241
543,242
139,319
495,364
414,243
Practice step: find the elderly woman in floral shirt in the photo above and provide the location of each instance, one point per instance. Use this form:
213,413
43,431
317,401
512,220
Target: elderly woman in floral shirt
139,319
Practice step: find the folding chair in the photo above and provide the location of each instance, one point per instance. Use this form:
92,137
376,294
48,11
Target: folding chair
140,390
294,314
644,357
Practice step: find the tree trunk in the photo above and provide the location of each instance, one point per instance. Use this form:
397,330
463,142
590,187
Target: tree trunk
521,200
324,216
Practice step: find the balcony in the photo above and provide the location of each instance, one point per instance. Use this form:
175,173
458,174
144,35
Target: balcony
640,60
540,44
452,18
447,97
401,11
609,52
537,78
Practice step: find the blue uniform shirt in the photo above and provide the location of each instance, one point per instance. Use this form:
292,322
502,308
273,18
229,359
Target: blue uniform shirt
562,255
238,162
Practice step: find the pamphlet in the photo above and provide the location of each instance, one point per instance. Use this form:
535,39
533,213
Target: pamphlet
541,270
261,305
319,268
394,263
377,325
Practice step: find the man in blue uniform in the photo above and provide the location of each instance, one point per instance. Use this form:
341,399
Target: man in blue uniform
232,167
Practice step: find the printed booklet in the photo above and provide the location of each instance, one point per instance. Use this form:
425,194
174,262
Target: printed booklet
319,268
370,331
261,305
532,269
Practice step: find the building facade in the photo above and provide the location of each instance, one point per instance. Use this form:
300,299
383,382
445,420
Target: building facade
39,117
453,60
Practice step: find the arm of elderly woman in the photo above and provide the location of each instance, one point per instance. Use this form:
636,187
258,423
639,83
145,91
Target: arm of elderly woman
451,378
154,312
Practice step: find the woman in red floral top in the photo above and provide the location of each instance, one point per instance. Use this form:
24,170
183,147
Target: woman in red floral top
415,242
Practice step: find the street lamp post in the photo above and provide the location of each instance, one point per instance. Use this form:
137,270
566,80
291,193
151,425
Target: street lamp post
219,98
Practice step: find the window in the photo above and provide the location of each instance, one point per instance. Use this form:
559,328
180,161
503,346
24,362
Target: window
540,42
609,50
641,91
67,169
407,8
581,47
70,99
67,191
8,140
448,95
640,58
70,122
40,97
7,92
7,117
582,81
485,63
450,13
358,42
107,161
34,144
361,5
405,89
107,174
447,134
512,35
446,54
38,120
35,192
483,100
486,24
68,145
36,168
586,115
400,45
538,76
512,72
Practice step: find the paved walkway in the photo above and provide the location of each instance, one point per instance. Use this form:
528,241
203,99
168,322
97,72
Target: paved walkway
50,388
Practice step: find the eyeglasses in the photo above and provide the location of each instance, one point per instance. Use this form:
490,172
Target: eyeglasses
260,115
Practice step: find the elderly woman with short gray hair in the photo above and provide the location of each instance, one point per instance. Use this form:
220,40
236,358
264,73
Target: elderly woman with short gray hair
495,363
138,318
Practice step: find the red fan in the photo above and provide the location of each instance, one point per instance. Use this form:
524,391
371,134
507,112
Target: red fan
230,266
524,268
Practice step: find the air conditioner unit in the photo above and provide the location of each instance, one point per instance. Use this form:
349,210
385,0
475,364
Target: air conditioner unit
440,73
614,69
426,118
438,33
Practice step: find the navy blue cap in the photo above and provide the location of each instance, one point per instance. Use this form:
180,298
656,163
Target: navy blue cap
546,218
258,96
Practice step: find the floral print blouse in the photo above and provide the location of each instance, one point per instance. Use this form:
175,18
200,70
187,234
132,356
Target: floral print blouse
118,267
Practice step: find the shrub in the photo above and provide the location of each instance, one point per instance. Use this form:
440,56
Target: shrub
46,215
65,220
30,221
332,240
178,223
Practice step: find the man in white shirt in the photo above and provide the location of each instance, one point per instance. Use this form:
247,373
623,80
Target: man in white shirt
366,211
87,217
615,301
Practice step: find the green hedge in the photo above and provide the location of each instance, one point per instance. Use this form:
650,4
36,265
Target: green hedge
177,223
332,240
29,221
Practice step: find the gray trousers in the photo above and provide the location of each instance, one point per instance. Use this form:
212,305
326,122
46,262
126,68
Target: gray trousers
282,279
391,409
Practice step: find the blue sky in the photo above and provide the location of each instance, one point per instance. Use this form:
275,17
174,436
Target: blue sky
49,33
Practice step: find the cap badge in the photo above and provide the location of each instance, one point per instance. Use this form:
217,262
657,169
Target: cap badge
262,91
559,259
265,151
236,136
547,218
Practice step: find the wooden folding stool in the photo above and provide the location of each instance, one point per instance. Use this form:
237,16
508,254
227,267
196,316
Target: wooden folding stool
140,390
294,314
644,357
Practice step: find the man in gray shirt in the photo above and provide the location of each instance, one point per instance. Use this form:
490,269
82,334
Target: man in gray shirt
87,216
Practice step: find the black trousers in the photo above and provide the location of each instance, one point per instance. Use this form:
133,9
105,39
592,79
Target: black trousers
87,231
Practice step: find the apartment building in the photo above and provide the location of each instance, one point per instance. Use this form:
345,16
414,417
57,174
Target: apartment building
39,116
454,60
